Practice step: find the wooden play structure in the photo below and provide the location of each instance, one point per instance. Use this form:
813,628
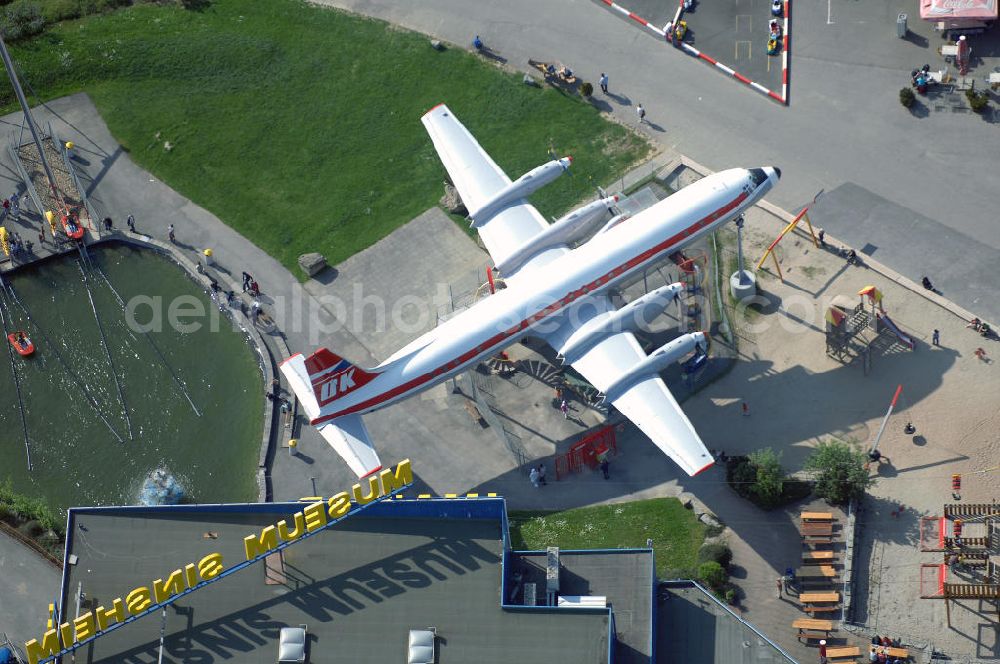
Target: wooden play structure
967,536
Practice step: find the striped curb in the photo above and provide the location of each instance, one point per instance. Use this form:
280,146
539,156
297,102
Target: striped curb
729,71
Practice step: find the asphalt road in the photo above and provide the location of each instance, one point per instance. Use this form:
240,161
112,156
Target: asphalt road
844,125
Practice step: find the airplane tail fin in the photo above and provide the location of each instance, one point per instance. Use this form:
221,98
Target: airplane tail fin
322,378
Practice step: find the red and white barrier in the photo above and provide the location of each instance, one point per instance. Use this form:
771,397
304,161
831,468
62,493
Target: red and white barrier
729,71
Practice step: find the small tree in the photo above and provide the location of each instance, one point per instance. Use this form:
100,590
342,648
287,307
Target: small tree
712,574
770,477
978,101
906,97
586,89
715,552
842,471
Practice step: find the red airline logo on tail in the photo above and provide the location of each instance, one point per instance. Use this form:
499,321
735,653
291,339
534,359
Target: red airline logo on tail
333,377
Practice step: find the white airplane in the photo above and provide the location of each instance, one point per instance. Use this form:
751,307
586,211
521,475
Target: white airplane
552,292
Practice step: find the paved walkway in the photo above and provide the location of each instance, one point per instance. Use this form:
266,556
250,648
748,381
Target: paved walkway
844,127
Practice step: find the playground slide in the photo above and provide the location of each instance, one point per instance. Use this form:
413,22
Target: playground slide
895,330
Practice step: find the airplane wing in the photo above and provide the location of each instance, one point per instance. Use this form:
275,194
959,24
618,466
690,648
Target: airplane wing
647,402
349,438
478,178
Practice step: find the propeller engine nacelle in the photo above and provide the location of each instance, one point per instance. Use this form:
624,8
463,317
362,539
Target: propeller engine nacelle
639,311
573,226
656,362
525,185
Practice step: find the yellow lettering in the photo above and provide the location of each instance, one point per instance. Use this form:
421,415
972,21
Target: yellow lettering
115,614
210,566
255,545
84,626
138,600
191,575
373,488
338,505
315,516
393,481
174,584
48,647
300,528
66,633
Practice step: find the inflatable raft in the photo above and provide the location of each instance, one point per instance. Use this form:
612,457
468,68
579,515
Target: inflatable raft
23,349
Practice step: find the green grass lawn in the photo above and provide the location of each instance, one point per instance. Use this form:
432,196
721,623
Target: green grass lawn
676,532
300,126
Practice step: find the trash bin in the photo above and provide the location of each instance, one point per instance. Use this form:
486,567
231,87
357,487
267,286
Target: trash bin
901,26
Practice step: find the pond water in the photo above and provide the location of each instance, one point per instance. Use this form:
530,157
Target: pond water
73,408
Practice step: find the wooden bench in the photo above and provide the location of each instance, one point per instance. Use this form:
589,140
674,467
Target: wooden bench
817,557
816,516
847,652
892,651
820,608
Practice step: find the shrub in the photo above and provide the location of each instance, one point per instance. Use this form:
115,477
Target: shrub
906,97
842,472
769,477
61,10
978,101
731,596
717,553
21,19
712,574
586,89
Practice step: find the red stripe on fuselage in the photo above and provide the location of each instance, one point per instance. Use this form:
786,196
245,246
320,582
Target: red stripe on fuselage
534,318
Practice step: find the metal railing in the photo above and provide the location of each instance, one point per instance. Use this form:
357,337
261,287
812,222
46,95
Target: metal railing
88,205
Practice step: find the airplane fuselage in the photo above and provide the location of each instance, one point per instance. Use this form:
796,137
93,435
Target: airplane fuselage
554,284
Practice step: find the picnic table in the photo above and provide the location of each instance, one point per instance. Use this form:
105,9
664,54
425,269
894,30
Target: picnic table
817,557
817,516
811,598
813,628
891,651
820,602
844,652
816,529
816,574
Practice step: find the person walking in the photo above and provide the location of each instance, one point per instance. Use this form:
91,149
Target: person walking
779,584
108,224
130,221
746,409
822,651
246,281
604,83
170,233
41,235
936,338
641,112
533,477
564,409
541,474
255,311
604,468
822,238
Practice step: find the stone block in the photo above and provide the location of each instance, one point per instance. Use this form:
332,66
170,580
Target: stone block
312,263
451,201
